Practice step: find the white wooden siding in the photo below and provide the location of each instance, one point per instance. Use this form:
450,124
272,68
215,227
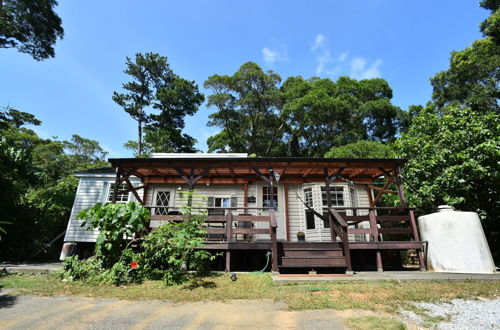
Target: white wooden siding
94,189
91,190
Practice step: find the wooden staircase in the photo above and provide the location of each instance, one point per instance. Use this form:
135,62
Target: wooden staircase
311,255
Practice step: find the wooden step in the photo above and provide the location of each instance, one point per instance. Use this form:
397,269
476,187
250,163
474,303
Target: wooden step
313,262
303,245
313,253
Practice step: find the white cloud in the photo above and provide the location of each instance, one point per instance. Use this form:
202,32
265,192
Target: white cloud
271,56
319,42
359,68
327,64
323,55
343,56
322,60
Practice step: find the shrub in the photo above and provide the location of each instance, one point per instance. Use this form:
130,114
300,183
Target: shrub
172,249
92,271
115,223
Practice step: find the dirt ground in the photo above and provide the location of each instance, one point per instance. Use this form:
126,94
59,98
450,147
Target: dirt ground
69,312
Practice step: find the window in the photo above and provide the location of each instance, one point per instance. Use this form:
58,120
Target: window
308,200
270,197
336,196
216,205
121,196
162,199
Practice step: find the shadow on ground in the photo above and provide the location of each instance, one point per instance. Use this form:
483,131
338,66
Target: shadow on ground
200,283
6,300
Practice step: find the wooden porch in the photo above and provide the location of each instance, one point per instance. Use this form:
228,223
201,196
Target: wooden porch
230,233
372,228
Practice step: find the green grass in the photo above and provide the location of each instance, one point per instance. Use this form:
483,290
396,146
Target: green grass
387,296
374,322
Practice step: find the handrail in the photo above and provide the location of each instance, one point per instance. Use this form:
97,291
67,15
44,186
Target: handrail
339,219
229,226
369,208
274,222
274,250
210,207
342,232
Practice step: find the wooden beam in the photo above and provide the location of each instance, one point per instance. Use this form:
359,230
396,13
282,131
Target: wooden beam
399,184
333,177
306,173
134,188
383,190
129,184
380,193
356,172
267,179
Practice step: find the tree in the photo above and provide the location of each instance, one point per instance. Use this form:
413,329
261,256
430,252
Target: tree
473,78
38,186
322,114
453,159
363,149
155,87
85,152
247,105
31,26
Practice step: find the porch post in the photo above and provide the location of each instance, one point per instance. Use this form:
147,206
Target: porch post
245,197
399,184
117,183
287,214
329,204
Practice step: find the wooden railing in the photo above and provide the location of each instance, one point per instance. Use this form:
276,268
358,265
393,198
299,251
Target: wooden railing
227,227
339,227
401,221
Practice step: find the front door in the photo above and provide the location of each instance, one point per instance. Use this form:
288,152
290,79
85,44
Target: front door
273,196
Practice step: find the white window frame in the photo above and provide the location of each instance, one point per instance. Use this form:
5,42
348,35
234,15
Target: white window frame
277,201
108,194
309,203
170,201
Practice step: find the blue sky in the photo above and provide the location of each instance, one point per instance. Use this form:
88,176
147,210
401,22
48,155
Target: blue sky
404,42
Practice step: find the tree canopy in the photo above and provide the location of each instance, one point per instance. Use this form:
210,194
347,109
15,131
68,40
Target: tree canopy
301,117
31,26
247,105
453,144
38,186
473,78
322,114
363,149
158,100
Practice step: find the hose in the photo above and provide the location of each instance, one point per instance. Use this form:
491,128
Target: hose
268,256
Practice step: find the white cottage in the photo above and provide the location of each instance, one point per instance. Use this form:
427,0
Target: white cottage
309,212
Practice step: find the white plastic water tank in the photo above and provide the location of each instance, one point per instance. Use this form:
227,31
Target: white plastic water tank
456,242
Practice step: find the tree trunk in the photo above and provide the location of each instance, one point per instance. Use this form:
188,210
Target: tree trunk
139,140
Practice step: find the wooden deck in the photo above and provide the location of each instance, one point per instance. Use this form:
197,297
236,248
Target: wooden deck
394,229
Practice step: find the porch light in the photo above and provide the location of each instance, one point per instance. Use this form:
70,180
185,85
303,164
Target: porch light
277,176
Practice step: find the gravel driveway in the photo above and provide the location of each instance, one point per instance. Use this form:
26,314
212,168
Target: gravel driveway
461,314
